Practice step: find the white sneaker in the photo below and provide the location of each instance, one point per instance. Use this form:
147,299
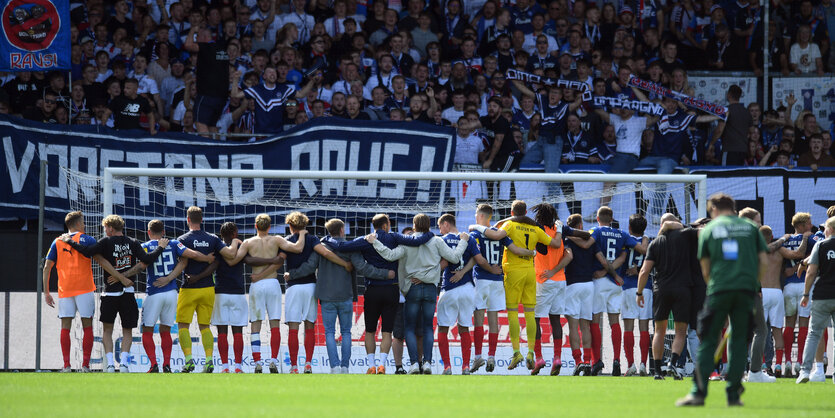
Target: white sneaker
803,377
817,376
345,370
760,377
643,370
415,369
427,367
633,371
335,370
110,369
123,368
67,369
85,369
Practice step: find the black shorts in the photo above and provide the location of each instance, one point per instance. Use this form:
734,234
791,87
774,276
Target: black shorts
124,305
399,331
208,109
675,300
381,302
697,302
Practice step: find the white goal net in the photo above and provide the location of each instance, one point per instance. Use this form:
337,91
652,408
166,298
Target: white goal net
142,194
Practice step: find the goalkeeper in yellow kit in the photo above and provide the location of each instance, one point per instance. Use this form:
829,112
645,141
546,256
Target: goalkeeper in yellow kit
520,278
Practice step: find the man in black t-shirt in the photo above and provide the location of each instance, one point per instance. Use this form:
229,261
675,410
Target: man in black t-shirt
504,151
212,77
670,254
128,109
46,112
118,294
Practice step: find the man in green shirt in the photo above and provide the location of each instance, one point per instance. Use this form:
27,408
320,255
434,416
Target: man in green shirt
732,253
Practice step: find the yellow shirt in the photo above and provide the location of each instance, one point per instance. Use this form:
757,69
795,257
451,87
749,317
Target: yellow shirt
523,236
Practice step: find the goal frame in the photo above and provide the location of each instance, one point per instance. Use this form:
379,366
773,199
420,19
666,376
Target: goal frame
112,172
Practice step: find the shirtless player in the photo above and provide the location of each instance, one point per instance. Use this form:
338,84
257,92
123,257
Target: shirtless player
265,294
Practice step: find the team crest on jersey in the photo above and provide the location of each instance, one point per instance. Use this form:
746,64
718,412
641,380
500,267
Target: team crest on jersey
31,25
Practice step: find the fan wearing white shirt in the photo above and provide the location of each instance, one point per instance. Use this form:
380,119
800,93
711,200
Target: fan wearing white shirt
469,148
334,25
303,21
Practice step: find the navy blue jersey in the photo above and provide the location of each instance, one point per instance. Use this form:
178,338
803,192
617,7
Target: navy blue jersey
452,240
163,266
553,117
492,252
793,243
229,279
672,135
295,261
582,266
371,256
634,259
269,106
611,242
203,242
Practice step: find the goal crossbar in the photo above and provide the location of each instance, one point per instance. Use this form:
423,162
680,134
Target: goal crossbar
112,172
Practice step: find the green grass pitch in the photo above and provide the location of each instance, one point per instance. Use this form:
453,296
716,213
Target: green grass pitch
69,395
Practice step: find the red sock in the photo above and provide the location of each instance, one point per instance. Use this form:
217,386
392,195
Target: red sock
65,346
616,339
293,346
223,348
478,340
596,341
493,341
537,348
788,340
644,344
629,347
275,342
443,347
587,355
238,346
578,355
150,347
801,342
87,345
309,344
166,343
779,357
466,342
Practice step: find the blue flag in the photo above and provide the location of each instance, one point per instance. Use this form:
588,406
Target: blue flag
36,35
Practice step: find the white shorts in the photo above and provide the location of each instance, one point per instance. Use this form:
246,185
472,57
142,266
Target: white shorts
579,298
230,310
630,308
300,303
774,307
792,293
84,304
160,307
490,295
607,296
264,300
550,298
456,305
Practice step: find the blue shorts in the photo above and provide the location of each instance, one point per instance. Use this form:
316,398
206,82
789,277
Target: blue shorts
207,109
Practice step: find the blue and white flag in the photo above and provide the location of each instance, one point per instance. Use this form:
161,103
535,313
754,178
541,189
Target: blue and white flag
36,35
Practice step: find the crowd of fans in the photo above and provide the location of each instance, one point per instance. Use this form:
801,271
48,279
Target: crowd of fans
248,67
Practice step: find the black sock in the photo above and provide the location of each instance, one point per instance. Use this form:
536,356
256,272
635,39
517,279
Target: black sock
674,360
657,367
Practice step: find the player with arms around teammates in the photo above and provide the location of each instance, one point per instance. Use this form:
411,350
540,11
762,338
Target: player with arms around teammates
161,303
264,293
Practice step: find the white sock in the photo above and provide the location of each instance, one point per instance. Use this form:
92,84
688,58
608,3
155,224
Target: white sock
478,356
384,358
224,366
109,359
370,358
819,367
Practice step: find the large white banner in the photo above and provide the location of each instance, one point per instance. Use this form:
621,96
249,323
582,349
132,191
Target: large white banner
816,94
713,88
